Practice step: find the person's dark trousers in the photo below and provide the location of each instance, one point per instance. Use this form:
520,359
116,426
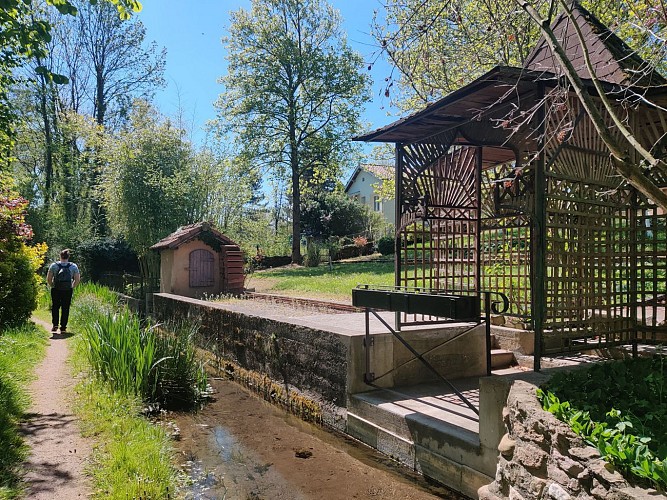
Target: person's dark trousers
60,300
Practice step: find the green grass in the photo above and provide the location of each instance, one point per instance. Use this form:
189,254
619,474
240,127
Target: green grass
335,284
136,358
21,348
133,458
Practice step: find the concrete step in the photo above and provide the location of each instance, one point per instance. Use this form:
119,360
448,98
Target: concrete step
429,430
433,465
501,358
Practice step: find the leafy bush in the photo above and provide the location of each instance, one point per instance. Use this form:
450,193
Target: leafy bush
632,434
312,257
333,214
386,245
106,255
18,262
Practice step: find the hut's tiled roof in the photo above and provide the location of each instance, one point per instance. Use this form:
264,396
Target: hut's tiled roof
184,234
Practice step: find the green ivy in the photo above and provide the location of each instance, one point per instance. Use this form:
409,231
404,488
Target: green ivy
630,434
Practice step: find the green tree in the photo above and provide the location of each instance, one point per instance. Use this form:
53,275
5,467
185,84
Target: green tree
23,35
293,92
150,184
333,214
439,46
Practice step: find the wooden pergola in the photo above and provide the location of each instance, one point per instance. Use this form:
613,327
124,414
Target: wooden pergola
504,185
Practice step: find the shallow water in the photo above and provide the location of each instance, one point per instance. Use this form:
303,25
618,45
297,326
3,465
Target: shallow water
240,447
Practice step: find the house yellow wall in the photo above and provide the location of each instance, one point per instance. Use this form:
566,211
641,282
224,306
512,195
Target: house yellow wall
362,191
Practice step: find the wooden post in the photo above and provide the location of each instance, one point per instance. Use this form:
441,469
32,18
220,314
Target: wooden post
398,177
478,247
538,237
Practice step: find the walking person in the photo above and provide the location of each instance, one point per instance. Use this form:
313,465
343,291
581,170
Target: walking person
63,277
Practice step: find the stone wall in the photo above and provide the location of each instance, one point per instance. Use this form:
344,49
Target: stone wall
304,358
541,458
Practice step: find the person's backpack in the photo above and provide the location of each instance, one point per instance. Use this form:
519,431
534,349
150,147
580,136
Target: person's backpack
63,278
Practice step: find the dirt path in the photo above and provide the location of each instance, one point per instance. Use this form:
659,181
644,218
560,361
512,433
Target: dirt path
58,452
238,447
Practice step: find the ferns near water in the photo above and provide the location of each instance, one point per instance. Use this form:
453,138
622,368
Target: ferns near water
157,364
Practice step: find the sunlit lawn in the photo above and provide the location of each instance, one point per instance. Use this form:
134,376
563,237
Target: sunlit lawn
322,282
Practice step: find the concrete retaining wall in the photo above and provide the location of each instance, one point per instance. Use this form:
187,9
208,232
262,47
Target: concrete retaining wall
302,357
542,459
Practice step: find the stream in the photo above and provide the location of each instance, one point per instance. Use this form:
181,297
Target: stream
239,447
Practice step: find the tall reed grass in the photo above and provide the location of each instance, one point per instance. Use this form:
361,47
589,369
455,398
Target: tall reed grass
135,357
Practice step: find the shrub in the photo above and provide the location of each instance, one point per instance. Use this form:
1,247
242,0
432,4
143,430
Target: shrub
631,434
332,214
313,257
18,288
106,255
386,245
18,262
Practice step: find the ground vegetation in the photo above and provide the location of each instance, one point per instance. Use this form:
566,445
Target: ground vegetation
21,348
618,407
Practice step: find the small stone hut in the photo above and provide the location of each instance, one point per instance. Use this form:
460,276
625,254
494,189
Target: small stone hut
198,260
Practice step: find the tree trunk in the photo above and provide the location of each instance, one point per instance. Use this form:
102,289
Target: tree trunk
296,210
99,216
48,139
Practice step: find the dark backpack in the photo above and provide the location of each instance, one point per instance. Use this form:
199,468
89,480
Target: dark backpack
63,278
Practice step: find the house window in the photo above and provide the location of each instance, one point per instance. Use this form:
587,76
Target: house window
363,200
377,206
201,269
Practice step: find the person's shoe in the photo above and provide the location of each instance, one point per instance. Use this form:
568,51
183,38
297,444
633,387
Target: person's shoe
63,330
54,329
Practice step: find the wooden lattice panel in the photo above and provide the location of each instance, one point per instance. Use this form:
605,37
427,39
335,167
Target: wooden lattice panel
651,272
574,149
505,246
588,268
439,220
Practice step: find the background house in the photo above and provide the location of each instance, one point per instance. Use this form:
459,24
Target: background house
360,187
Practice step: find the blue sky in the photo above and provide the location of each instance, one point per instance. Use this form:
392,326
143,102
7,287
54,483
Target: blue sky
191,32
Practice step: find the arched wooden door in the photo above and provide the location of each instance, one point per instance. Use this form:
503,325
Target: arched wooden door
201,269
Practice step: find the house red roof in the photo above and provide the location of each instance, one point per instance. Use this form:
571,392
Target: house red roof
188,233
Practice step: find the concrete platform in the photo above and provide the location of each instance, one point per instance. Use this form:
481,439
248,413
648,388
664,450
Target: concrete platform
428,428
408,414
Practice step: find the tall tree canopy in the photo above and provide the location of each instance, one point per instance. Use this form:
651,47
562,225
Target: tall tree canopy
24,34
293,92
106,63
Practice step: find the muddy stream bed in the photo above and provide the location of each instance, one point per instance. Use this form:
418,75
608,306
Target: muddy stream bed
240,447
